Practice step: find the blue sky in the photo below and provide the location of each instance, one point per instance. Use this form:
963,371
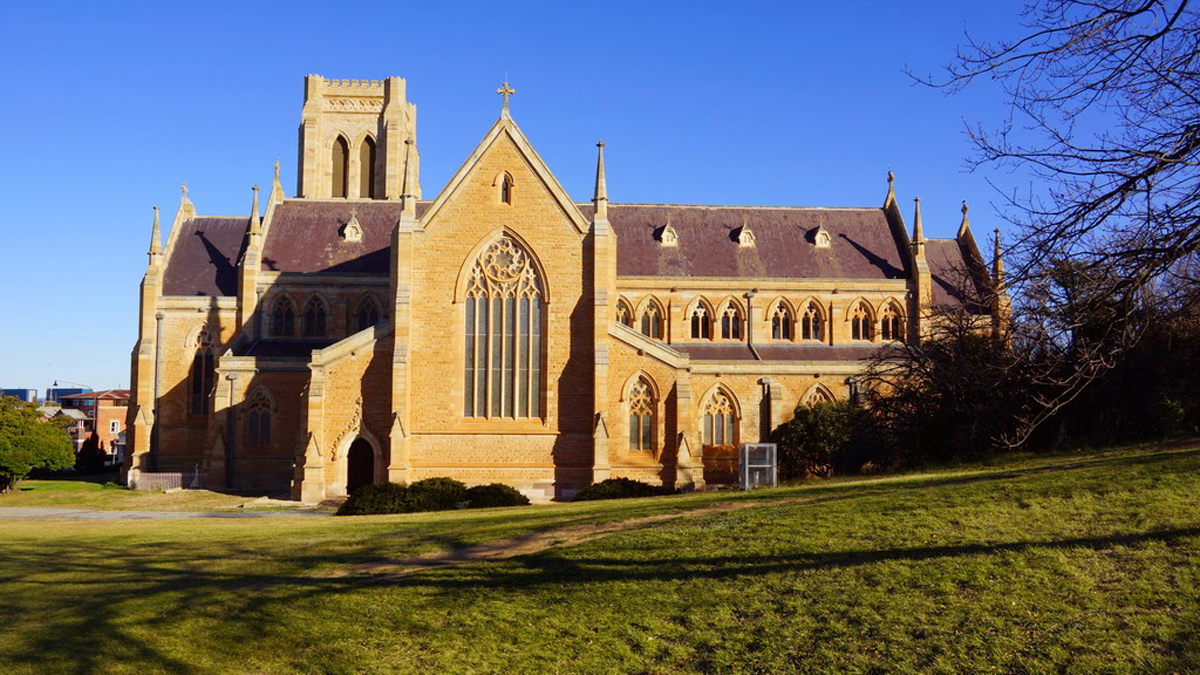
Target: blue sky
109,109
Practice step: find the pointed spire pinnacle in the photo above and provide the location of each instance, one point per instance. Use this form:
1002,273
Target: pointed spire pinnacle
505,91
600,198
255,222
964,229
186,208
891,193
409,207
998,262
276,195
155,238
918,230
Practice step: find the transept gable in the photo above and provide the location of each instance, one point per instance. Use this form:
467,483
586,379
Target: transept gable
485,167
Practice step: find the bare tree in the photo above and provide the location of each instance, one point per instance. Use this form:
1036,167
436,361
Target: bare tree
1105,119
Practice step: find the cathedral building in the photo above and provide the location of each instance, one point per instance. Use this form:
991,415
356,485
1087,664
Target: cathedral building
359,333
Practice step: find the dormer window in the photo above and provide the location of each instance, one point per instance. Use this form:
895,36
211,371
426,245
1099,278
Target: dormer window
820,237
745,237
667,236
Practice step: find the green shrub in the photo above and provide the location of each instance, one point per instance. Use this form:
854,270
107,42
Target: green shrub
496,494
619,488
820,439
437,494
381,498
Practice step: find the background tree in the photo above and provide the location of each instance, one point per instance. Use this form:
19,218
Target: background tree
1105,120
28,442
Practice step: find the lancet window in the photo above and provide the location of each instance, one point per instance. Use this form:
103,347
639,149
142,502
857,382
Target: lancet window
652,321
891,325
624,313
258,418
701,323
781,322
366,168
283,318
314,318
641,416
203,373
861,323
340,161
503,345
810,323
366,314
731,322
720,420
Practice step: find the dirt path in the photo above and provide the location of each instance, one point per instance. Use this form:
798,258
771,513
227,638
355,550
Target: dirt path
536,542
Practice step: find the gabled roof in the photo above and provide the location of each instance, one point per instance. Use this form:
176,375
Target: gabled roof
204,258
305,235
505,126
862,243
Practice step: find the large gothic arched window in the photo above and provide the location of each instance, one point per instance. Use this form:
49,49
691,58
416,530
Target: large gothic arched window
503,345
203,373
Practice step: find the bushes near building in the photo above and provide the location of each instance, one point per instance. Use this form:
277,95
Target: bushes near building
431,494
619,488
495,494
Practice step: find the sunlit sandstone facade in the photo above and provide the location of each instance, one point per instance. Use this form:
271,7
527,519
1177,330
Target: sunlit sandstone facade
501,332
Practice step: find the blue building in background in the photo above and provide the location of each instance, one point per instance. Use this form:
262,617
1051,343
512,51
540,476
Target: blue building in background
56,393
27,395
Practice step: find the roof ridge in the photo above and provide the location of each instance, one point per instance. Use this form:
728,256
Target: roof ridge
735,206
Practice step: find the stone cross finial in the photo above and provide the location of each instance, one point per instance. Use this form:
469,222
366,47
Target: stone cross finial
184,187
506,91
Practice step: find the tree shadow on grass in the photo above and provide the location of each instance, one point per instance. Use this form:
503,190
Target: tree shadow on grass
80,608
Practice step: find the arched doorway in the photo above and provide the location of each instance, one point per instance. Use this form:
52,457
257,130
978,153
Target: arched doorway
360,465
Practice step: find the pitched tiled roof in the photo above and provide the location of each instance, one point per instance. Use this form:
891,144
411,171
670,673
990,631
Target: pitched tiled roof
103,395
862,244
955,279
716,351
205,256
305,236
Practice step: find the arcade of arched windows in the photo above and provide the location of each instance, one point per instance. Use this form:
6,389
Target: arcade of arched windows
301,314
804,320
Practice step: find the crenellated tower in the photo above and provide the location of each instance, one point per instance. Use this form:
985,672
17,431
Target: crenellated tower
352,139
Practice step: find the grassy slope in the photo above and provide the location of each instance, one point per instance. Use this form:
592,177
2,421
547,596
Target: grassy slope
1076,564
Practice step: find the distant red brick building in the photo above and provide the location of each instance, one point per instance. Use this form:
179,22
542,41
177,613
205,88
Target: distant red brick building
105,413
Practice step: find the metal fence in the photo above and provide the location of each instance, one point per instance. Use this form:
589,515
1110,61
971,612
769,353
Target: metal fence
758,467
163,480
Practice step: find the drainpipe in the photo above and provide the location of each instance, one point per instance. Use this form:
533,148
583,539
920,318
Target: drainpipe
154,428
231,435
750,322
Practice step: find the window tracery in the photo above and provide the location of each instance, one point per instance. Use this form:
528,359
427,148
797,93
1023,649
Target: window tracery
641,416
781,322
503,346
314,318
861,323
203,373
811,327
652,321
258,418
720,423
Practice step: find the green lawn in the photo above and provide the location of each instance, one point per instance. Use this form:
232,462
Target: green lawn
102,493
1065,564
